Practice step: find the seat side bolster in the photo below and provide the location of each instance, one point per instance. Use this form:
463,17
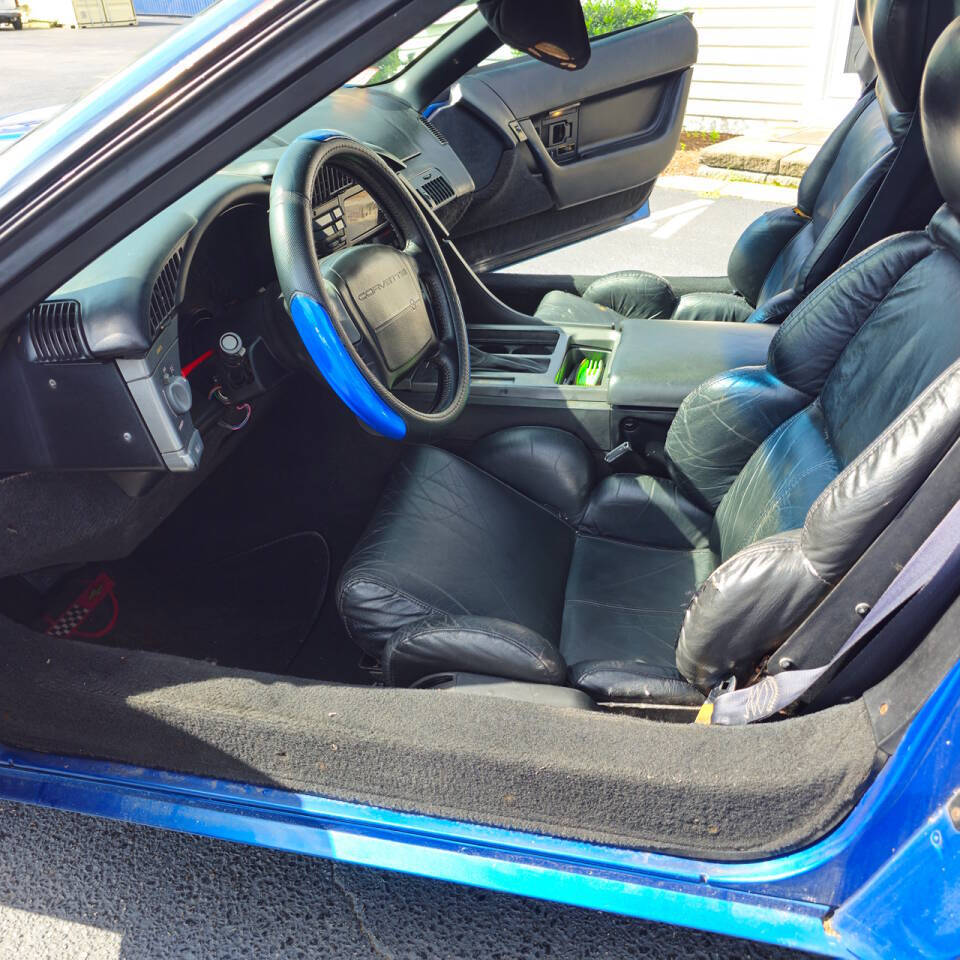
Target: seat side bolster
759,246
835,236
853,510
559,308
746,608
816,174
550,466
778,308
482,645
808,343
717,307
720,425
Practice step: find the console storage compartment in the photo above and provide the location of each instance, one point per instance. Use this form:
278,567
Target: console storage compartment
534,345
536,385
658,362
584,367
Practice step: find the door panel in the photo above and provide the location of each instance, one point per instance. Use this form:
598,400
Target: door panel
557,156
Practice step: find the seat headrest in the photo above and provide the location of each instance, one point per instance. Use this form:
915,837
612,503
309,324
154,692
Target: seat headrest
899,35
940,113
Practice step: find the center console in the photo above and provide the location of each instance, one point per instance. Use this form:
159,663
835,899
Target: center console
587,370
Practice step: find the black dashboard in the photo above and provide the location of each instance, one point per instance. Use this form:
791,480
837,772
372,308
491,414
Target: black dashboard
168,335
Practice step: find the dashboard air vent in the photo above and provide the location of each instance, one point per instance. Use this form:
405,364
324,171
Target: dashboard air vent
435,191
56,333
432,129
331,181
163,298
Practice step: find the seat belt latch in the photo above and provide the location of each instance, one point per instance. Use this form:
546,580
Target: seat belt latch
705,714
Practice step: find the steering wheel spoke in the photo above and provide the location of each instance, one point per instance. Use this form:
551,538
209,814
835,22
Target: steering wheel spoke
416,251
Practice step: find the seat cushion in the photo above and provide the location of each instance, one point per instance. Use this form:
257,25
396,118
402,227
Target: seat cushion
460,571
647,510
448,538
634,293
626,601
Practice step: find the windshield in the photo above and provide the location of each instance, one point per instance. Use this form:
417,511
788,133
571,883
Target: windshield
601,16
401,57
50,67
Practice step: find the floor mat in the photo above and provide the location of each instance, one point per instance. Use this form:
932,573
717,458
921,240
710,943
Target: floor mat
252,610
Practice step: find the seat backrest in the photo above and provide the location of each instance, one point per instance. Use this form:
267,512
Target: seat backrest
807,459
796,249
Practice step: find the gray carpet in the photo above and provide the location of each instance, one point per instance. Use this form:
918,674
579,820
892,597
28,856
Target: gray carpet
704,791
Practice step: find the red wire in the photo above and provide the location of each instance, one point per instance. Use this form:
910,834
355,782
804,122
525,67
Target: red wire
193,364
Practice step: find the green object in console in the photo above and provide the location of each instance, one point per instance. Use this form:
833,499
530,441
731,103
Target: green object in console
590,372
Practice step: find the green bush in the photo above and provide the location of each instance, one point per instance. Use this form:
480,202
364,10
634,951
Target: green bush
605,16
387,67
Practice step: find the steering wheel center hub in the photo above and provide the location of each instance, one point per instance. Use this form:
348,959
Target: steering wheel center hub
379,287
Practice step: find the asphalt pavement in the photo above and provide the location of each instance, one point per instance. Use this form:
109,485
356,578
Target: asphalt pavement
74,886
45,67
78,887
689,232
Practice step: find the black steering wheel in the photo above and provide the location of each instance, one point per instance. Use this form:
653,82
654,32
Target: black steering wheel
367,314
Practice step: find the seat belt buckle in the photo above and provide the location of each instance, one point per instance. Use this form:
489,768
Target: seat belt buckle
705,714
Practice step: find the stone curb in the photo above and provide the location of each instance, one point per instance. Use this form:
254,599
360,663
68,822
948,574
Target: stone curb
758,159
748,176
743,189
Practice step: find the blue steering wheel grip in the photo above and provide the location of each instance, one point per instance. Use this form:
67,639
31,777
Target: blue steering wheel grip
338,368
330,357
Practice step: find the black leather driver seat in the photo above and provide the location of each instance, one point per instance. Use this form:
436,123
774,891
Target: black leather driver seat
520,564
786,253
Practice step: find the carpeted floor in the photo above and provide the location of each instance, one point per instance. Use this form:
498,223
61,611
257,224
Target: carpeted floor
244,572
253,609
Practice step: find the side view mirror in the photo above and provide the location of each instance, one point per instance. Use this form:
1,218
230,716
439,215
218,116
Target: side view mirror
553,31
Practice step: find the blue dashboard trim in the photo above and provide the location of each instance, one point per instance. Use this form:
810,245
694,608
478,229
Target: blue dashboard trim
338,368
321,135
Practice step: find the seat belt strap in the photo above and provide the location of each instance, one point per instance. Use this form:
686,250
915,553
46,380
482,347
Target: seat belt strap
774,693
889,203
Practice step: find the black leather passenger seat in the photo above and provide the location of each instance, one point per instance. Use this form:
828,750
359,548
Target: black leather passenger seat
869,180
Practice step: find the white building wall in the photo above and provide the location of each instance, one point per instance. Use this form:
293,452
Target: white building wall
764,62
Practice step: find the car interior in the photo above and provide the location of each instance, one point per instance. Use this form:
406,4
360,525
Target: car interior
301,491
